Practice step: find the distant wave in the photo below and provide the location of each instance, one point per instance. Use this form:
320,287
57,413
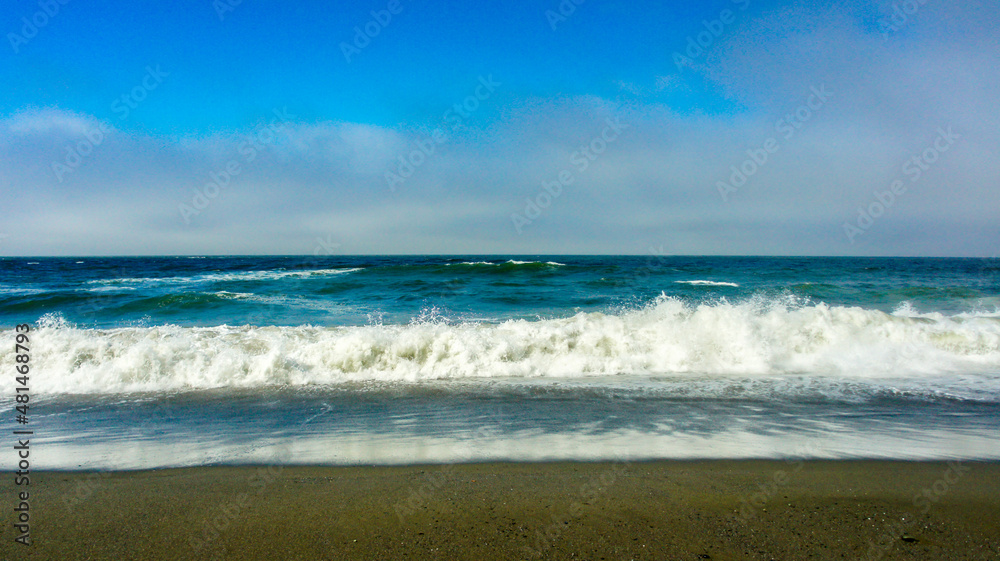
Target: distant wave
226,277
109,288
751,339
706,283
6,289
236,295
514,262
553,263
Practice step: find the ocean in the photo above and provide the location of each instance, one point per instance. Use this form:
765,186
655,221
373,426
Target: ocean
151,362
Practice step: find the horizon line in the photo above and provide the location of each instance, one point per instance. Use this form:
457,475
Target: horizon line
290,255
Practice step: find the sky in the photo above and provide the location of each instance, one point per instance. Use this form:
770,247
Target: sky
733,127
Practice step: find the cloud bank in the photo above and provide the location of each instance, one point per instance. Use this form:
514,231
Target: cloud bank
833,108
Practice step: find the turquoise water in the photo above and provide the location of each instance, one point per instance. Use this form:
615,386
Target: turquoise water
336,290
148,362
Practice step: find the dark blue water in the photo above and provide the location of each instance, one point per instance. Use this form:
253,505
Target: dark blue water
340,290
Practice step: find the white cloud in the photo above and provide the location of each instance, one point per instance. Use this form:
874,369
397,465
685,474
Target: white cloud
49,121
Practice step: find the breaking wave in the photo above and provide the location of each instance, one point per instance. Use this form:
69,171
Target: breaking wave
668,337
756,338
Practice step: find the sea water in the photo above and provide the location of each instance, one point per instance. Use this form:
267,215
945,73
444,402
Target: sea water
179,361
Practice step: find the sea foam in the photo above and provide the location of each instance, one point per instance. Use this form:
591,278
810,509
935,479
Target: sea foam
754,338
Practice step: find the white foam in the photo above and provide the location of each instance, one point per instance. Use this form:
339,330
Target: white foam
109,288
236,295
7,289
749,339
512,262
226,277
407,448
706,283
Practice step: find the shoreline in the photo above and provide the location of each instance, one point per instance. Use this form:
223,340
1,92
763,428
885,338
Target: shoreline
689,509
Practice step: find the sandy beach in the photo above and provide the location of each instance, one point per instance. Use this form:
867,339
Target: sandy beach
718,510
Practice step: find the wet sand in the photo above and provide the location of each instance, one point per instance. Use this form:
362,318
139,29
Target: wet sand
719,510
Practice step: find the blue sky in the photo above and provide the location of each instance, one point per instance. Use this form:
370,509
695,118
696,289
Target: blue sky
297,146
